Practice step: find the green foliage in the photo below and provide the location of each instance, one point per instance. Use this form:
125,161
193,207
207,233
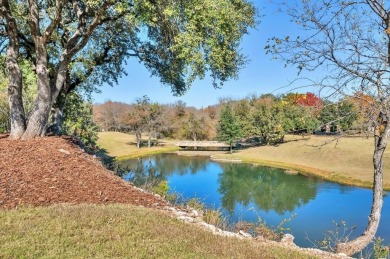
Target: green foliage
270,232
215,218
242,110
195,128
189,38
29,91
299,119
229,129
4,108
78,121
29,86
196,204
261,228
177,41
270,118
85,44
161,188
341,113
380,251
267,121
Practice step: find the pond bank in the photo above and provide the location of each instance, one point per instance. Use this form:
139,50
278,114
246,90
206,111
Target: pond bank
305,170
346,161
302,169
245,192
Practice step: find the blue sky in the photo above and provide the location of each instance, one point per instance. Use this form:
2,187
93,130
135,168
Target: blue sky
261,75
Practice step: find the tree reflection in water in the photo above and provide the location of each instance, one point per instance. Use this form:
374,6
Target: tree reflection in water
269,188
272,193
154,169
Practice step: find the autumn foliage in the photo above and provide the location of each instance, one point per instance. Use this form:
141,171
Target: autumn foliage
309,99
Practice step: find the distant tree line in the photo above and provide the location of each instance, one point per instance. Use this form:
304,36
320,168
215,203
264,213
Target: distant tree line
265,118
176,121
268,118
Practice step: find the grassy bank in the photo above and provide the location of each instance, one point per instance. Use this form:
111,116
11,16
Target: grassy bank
117,231
348,160
123,146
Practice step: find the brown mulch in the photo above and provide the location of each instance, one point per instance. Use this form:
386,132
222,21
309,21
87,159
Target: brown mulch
51,170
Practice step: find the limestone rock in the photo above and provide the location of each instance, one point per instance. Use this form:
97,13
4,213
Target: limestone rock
288,239
244,234
195,213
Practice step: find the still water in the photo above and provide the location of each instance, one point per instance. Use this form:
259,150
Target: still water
247,192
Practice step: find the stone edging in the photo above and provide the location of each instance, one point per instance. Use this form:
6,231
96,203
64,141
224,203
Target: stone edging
192,216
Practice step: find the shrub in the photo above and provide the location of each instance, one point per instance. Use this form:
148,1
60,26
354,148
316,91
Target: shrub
215,218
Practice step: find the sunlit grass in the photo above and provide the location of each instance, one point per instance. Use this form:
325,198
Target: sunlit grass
348,160
123,146
117,231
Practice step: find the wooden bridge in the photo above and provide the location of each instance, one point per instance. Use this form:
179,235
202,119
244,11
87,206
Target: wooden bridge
203,145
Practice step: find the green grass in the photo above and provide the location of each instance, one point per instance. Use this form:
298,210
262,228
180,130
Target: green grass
348,162
123,146
117,231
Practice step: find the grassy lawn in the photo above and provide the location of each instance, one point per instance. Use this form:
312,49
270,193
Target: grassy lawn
117,231
123,146
350,161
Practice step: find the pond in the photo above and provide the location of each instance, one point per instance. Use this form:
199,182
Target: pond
247,192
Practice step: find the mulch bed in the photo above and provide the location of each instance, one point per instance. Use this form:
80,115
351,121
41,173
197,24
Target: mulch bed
51,170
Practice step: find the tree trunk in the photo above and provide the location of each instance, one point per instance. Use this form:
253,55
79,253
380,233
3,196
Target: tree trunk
38,119
358,244
37,123
138,137
231,147
156,139
15,84
17,115
56,119
149,139
57,111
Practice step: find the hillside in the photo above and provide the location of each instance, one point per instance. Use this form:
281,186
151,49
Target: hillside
55,170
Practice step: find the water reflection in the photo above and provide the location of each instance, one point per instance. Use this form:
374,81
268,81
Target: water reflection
154,169
269,188
273,194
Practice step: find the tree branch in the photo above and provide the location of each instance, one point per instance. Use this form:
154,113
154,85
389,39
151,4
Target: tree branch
54,22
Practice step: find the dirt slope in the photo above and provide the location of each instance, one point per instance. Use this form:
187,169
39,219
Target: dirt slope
52,170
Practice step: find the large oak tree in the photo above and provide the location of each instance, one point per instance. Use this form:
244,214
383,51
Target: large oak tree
69,41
